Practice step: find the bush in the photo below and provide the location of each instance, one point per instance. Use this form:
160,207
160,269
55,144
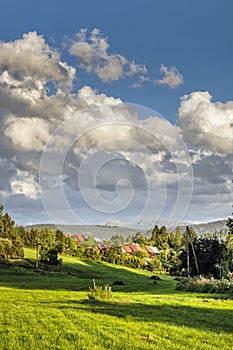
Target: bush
100,293
204,285
50,257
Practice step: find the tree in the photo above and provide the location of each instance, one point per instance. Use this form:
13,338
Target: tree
141,240
154,236
229,242
90,241
117,239
129,239
210,254
11,243
6,224
175,240
60,238
230,225
5,248
229,247
49,247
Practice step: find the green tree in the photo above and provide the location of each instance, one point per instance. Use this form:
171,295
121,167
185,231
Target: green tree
175,240
49,247
129,239
117,239
8,231
5,248
90,241
210,255
141,240
154,240
229,247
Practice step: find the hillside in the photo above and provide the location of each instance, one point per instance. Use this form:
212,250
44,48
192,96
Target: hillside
50,309
106,232
213,226
100,231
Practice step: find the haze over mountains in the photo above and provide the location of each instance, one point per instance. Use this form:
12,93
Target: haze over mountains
106,231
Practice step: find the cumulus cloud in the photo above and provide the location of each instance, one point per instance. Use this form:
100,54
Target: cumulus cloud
31,59
29,134
171,77
102,132
25,184
93,55
27,66
205,123
31,56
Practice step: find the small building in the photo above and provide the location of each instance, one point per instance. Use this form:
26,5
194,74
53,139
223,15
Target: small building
101,247
151,251
135,248
79,238
126,249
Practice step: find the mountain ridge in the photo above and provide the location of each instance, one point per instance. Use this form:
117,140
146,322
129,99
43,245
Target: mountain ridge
106,232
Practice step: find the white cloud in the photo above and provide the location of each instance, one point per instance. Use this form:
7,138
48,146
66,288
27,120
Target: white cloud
27,65
135,68
30,113
206,124
171,78
25,184
93,55
28,134
140,81
111,70
31,56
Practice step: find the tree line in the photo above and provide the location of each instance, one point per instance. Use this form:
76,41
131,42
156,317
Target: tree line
179,253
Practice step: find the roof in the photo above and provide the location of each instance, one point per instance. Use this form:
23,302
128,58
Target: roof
155,250
144,249
127,248
149,250
102,247
97,240
134,248
79,238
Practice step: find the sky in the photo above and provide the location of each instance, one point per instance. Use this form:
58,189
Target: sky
116,112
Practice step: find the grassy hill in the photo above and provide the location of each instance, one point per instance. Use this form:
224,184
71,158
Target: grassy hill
51,310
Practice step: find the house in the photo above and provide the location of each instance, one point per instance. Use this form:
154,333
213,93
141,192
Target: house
151,251
135,248
101,247
126,249
70,235
131,248
79,238
155,250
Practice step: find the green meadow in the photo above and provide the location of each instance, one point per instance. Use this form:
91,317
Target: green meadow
51,310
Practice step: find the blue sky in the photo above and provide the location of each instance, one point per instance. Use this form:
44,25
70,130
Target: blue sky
196,37
191,42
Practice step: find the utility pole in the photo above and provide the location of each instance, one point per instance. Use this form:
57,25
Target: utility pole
195,258
187,249
37,254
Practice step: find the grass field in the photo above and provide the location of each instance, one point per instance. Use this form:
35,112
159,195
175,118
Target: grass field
52,311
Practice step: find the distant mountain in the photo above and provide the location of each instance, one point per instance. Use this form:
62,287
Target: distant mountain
144,223
114,222
100,231
106,232
213,226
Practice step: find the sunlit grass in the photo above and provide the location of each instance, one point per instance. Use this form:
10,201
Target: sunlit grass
51,310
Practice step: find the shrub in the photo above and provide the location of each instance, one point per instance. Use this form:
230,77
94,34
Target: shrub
100,293
204,285
50,256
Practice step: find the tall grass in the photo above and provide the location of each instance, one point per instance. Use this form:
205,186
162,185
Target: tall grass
51,310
